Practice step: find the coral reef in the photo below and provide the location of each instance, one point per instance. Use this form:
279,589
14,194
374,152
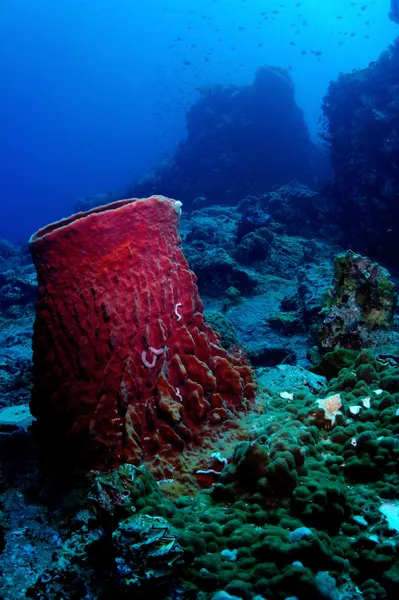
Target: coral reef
299,491
297,209
362,129
214,480
293,498
359,307
125,365
304,507
269,284
230,130
18,291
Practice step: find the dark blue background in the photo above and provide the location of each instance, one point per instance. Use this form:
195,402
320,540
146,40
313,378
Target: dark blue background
94,92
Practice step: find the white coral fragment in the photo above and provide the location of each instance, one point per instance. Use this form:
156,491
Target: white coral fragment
286,395
366,402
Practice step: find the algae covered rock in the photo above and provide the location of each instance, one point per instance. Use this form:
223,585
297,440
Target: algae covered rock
299,208
286,323
286,255
114,495
254,246
146,550
254,217
290,378
360,305
217,271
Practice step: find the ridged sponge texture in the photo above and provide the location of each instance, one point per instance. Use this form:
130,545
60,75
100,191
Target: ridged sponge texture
125,365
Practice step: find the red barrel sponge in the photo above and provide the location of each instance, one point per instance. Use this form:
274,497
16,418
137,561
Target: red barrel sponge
125,365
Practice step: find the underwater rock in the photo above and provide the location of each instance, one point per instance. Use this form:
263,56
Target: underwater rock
360,305
218,271
254,246
286,323
253,217
213,225
313,281
300,209
300,533
209,242
147,552
125,365
18,291
270,355
8,250
362,129
14,419
233,297
16,363
230,130
72,571
92,200
289,378
114,495
225,596
17,287
286,255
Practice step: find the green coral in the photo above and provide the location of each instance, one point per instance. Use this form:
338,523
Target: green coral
223,325
245,536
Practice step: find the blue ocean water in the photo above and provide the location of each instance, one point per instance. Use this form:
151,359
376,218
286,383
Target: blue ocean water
95,92
243,413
